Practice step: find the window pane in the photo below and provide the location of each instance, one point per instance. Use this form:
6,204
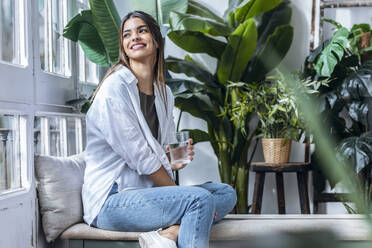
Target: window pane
58,135
89,72
11,129
54,49
12,31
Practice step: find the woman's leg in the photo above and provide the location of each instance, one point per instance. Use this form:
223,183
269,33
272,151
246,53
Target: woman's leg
149,209
224,197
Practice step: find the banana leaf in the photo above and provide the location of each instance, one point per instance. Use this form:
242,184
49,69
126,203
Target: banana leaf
196,42
191,70
197,135
197,107
332,53
252,8
275,48
233,4
159,9
198,9
81,29
180,21
357,150
107,21
269,21
238,52
182,86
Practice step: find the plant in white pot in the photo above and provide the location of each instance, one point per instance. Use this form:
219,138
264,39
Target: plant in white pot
275,105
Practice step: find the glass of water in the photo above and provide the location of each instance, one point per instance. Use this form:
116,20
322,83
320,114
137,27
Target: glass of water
178,150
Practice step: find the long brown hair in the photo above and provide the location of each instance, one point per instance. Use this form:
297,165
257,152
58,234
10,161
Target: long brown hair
159,71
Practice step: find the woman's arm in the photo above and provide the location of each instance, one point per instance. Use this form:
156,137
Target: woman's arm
161,178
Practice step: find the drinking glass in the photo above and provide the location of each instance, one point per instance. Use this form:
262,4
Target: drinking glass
178,150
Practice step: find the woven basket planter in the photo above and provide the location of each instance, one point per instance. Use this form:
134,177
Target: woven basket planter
276,150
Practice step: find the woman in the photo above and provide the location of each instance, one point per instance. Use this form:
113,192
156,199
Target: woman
128,183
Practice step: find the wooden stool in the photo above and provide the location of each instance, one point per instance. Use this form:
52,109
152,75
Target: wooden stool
301,168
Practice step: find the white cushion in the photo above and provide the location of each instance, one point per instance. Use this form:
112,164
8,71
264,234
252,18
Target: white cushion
59,183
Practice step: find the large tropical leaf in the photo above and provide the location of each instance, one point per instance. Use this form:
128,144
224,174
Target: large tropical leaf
238,52
81,28
159,9
358,111
196,106
252,8
332,53
233,4
358,84
275,48
191,70
269,21
198,9
196,42
107,22
358,150
182,86
197,135
180,21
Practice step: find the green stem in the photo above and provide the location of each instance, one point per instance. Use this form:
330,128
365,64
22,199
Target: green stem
179,120
242,190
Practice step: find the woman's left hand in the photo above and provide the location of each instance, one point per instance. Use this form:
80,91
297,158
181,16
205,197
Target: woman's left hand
190,152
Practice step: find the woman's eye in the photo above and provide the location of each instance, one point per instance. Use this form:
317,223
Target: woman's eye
125,35
143,31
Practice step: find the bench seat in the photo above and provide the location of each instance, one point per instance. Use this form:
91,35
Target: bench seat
243,227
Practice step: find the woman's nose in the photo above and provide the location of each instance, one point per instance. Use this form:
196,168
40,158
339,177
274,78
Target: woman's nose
135,37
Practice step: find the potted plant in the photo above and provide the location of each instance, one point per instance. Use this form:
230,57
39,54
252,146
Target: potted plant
275,106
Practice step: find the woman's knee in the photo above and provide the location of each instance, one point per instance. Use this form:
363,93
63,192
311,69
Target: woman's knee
202,198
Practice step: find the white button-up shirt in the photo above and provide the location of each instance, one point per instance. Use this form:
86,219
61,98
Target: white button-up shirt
120,146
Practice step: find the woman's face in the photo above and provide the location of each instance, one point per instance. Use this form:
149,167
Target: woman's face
138,41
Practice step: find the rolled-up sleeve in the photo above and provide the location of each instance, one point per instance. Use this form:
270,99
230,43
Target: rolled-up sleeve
121,130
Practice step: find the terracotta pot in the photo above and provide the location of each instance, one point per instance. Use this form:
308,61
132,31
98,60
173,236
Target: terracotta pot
276,150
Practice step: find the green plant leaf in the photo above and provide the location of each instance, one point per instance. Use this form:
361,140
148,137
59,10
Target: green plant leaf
179,21
238,52
198,9
358,111
81,29
252,8
365,27
333,22
107,21
196,42
275,48
161,12
233,4
358,84
332,53
197,107
358,150
198,135
269,21
191,70
182,86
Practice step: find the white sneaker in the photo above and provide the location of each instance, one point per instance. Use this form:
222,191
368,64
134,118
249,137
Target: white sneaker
155,240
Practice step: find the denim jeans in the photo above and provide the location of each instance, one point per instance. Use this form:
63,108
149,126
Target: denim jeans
191,207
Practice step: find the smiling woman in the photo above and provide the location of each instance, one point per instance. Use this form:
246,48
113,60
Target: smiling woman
128,181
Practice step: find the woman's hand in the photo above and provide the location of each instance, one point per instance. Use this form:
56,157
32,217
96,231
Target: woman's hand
191,153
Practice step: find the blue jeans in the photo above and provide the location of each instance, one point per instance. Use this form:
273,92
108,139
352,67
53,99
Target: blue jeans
191,207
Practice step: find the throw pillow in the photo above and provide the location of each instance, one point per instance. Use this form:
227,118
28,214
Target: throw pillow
59,183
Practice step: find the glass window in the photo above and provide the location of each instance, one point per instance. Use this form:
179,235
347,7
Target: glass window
59,135
12,32
89,72
54,49
13,150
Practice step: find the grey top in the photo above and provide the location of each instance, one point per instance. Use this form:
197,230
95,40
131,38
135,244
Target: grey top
149,112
